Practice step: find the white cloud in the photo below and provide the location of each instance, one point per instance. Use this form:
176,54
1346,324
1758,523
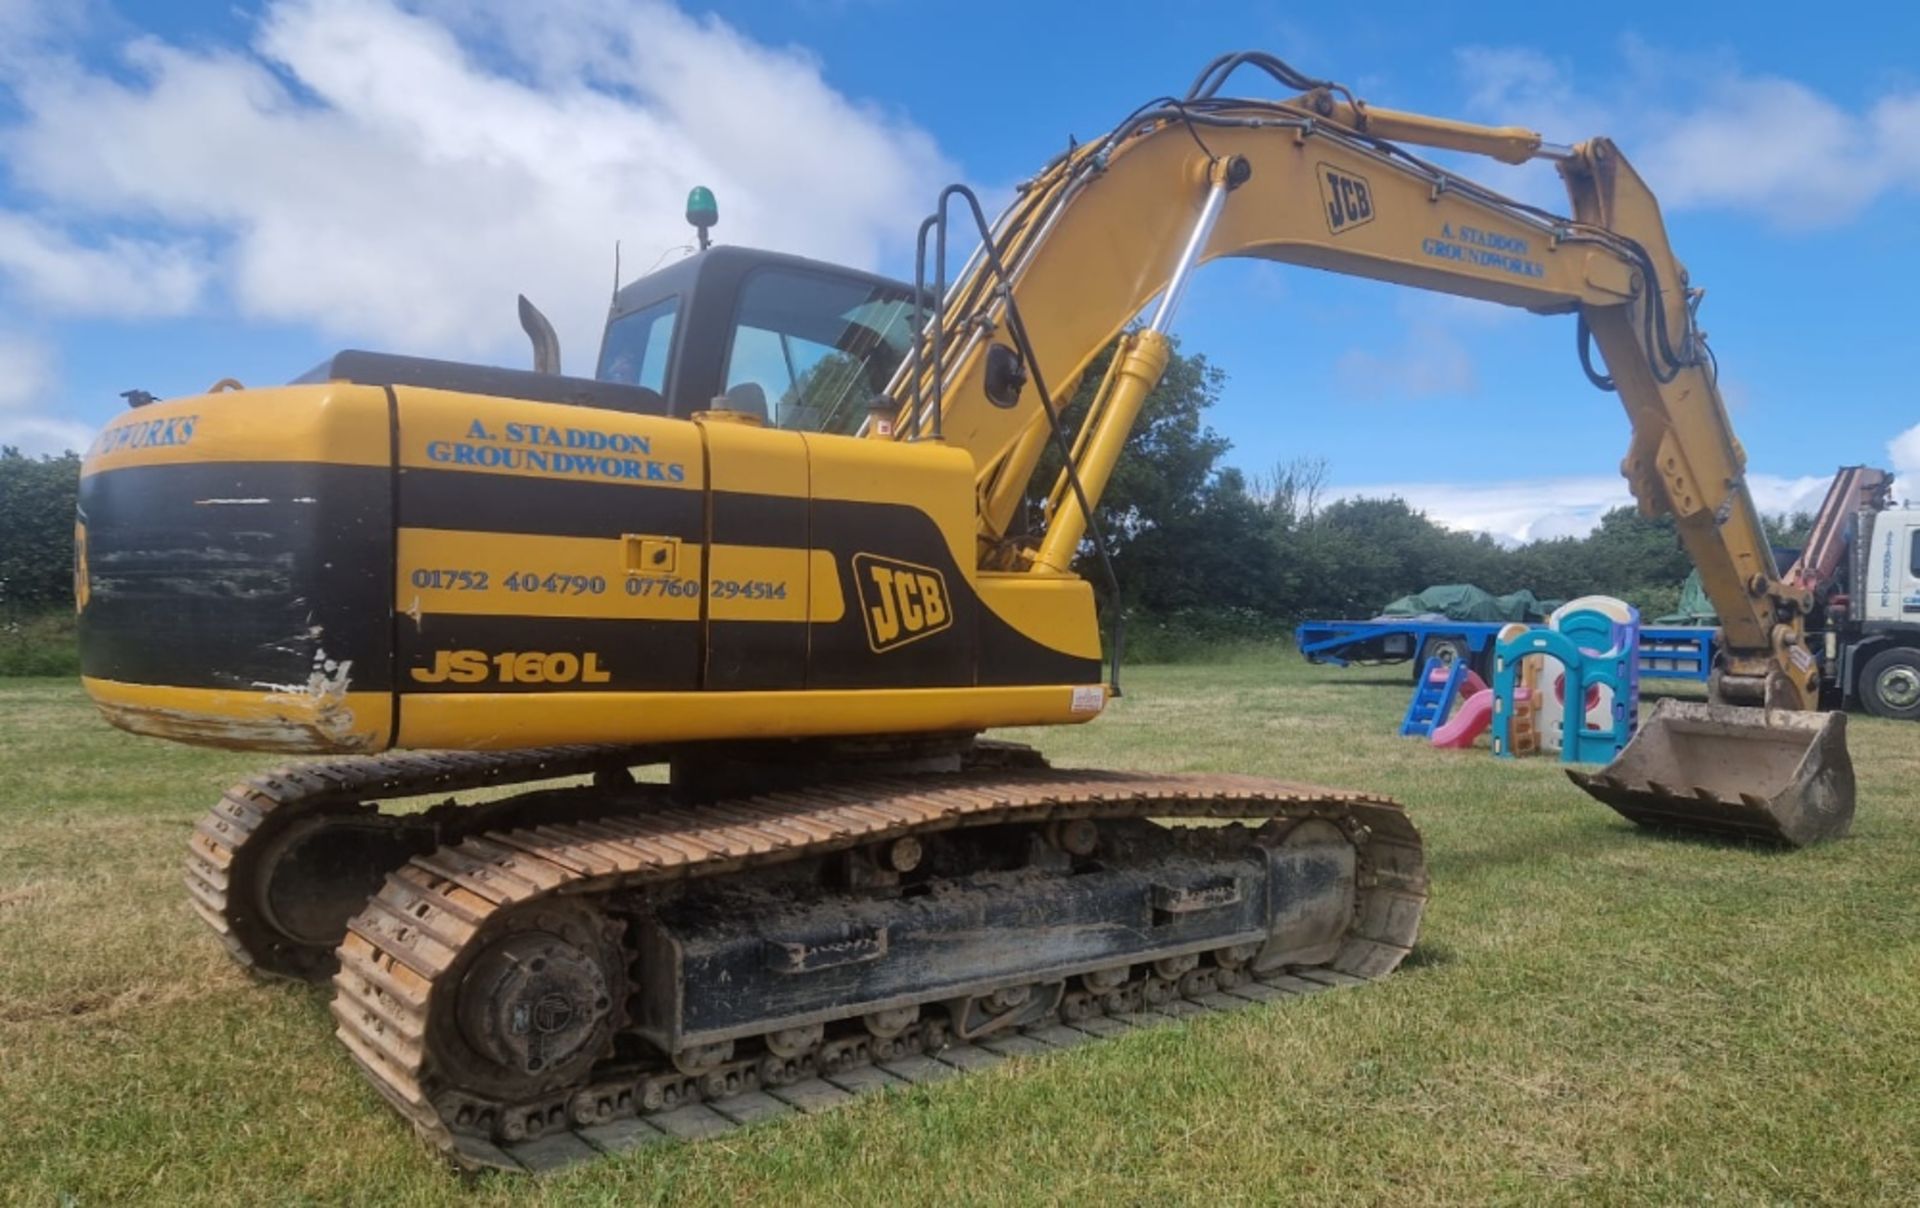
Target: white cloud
1517,509
1539,509
1524,83
26,22
38,434
1704,133
1903,455
29,389
1778,147
1776,495
1516,85
26,372
120,277
1707,134
394,178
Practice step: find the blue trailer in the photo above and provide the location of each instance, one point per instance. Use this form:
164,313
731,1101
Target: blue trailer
1682,652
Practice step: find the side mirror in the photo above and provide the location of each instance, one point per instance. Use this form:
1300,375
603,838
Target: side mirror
546,341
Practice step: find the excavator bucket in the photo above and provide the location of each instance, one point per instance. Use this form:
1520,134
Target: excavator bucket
1766,774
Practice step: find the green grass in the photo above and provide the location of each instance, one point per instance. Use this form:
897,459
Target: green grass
1593,1014
38,643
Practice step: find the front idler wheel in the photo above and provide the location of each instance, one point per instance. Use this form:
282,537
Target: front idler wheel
535,1008
319,872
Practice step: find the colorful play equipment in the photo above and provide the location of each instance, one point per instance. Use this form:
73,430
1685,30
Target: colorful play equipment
1468,722
1524,715
1587,652
1441,683
1594,642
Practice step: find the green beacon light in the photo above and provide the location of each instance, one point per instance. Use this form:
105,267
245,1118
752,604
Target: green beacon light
702,211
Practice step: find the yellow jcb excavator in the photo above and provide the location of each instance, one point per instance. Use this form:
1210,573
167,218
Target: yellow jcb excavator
780,545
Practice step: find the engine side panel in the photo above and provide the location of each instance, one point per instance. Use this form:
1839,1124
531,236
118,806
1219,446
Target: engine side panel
515,522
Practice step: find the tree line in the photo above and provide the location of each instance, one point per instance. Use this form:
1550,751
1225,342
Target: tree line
1202,551
37,496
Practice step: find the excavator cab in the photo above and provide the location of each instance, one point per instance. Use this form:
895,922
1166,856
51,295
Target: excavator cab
795,343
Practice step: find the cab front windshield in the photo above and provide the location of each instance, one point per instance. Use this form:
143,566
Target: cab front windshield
812,350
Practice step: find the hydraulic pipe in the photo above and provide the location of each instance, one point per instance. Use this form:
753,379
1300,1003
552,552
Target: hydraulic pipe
1190,255
1508,144
1142,358
1140,361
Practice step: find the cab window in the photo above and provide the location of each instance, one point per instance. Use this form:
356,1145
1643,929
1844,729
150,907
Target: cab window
810,351
637,347
1913,556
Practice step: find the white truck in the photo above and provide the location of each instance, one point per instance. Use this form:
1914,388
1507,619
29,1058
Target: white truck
1871,633
1862,566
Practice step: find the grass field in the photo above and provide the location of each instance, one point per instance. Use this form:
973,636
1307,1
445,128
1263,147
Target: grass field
1592,1014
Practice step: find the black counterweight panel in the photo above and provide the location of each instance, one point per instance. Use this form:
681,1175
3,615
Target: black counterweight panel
249,576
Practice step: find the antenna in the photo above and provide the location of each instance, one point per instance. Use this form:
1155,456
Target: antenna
616,275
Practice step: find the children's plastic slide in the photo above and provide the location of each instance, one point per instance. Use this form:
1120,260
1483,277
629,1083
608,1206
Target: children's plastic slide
1468,722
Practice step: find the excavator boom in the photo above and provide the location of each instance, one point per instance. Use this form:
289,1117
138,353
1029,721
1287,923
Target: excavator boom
1322,179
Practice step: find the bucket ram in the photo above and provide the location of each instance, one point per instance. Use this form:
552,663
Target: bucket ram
1767,774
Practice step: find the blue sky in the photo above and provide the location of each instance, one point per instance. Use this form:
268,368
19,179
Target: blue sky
190,191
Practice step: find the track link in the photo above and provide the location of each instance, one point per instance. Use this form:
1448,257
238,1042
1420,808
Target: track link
402,958
701,1119
225,852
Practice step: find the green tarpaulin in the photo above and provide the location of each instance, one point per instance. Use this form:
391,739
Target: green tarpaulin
1465,602
1695,608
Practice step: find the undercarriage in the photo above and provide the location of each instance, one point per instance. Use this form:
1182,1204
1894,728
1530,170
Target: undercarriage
557,971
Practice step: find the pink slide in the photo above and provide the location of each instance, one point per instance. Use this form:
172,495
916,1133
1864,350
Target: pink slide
1468,722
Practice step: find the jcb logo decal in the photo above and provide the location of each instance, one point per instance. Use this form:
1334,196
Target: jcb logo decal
900,602
1349,200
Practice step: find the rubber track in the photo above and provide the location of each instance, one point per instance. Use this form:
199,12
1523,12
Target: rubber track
410,939
243,813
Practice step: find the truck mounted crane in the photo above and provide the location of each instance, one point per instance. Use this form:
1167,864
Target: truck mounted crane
781,545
